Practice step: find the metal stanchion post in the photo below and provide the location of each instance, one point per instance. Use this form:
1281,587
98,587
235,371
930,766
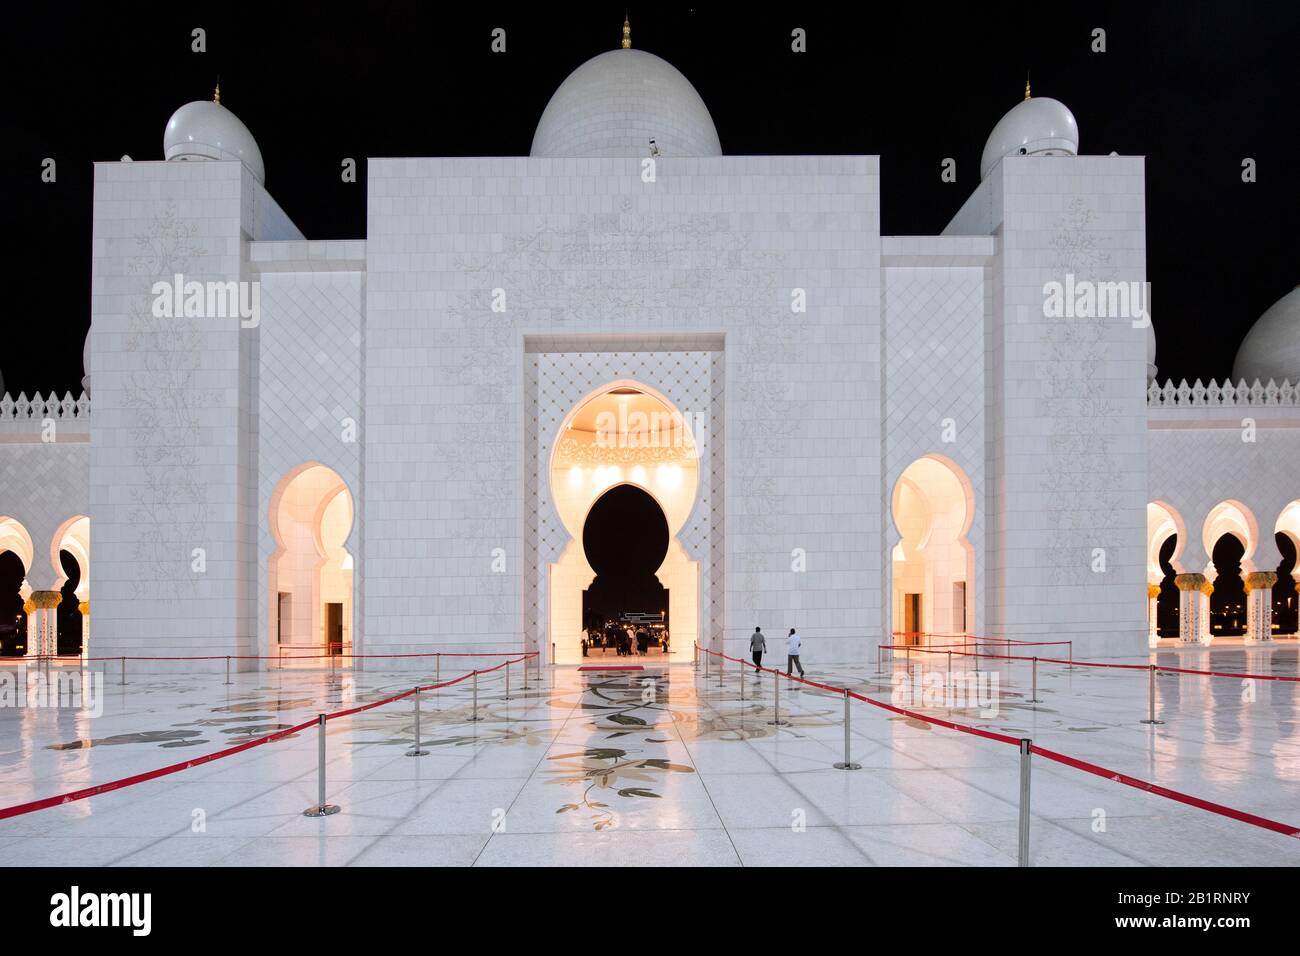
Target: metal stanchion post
1151,697
847,763
416,751
741,667
950,668
695,663
880,659
1033,697
322,809
722,667
776,700
507,670
227,668
552,653
474,714
123,681
1025,754
708,664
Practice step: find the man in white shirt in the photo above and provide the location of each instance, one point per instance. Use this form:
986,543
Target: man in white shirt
792,653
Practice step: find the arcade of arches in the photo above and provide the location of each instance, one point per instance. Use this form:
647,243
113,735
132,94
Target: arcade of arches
51,622
309,576
1232,596
624,435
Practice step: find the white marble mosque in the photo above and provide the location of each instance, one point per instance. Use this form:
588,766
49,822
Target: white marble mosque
394,446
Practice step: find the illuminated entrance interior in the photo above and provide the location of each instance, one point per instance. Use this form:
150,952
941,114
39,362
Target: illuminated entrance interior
933,563
623,436
310,573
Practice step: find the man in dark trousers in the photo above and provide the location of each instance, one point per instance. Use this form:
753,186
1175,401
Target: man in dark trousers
757,645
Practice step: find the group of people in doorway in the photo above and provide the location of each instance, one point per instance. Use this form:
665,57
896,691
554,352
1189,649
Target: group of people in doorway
626,641
758,647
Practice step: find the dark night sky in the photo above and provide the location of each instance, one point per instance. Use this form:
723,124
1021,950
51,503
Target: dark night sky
1194,87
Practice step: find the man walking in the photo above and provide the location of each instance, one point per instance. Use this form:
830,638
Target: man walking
792,653
757,645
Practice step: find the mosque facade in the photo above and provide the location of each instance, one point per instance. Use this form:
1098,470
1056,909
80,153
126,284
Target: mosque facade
390,445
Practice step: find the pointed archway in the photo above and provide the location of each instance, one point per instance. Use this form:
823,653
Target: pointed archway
310,574
933,563
16,555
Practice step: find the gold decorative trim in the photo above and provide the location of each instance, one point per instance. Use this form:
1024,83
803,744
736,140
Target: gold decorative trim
627,34
46,599
1261,580
1191,582
570,451
1153,591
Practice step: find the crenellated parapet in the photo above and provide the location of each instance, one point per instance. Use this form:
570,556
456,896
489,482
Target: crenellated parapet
38,408
1225,395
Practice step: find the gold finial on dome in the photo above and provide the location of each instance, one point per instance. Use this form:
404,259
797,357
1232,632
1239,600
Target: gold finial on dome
627,33
216,93
1026,84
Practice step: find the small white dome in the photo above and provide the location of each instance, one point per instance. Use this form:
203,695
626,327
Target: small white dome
1271,349
205,129
615,103
1036,126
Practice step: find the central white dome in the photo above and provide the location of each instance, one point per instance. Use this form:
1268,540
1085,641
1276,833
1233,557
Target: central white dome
1271,349
1036,126
615,103
204,130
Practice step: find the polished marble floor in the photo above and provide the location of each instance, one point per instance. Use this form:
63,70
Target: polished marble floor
662,766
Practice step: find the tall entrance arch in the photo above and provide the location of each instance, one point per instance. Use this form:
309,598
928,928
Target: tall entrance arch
933,563
624,433
309,575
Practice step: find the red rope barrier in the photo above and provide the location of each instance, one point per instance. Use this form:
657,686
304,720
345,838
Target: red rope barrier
42,804
75,795
1284,828
255,657
1077,663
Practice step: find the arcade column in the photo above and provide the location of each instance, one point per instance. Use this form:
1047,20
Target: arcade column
1193,608
1153,596
42,625
1259,605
